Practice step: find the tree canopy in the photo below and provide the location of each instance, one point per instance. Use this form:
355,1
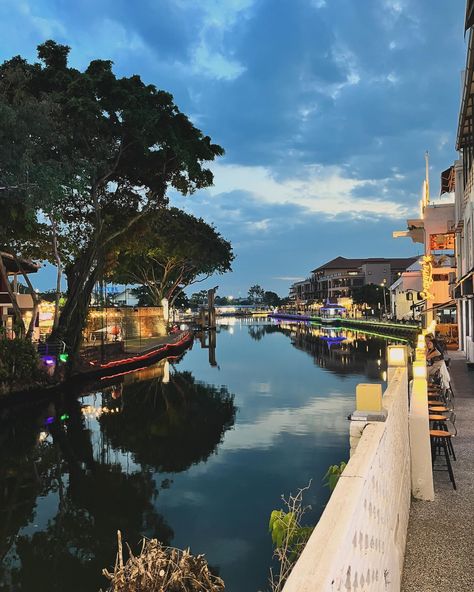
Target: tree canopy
175,250
256,294
90,154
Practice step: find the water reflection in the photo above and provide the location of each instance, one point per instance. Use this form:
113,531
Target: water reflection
341,351
181,422
74,472
162,452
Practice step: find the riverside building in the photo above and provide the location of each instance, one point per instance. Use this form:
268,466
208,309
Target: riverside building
335,280
462,288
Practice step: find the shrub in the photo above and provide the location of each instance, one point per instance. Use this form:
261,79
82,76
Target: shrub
19,364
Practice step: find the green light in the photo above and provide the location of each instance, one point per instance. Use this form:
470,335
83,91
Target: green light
64,417
64,357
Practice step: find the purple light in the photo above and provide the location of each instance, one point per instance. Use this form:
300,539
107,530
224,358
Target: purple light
49,360
49,420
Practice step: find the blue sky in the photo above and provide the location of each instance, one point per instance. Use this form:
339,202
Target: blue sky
324,108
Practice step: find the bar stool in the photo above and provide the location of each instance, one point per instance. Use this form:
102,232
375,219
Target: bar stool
439,440
440,422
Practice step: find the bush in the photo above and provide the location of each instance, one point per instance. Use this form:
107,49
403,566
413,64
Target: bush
19,364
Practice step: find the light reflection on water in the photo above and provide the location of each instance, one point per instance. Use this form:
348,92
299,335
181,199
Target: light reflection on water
199,459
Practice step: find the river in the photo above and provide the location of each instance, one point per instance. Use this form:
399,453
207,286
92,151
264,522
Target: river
195,451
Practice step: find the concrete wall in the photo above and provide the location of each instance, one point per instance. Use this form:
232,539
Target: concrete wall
359,541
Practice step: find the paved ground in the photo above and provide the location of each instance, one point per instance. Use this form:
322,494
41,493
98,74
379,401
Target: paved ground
440,546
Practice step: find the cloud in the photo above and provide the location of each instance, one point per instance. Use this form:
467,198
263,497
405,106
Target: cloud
324,190
46,26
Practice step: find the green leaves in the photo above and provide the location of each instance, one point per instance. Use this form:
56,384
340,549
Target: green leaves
332,475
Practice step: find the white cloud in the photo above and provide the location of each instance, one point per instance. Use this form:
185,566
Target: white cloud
259,225
214,64
289,278
47,27
320,189
211,57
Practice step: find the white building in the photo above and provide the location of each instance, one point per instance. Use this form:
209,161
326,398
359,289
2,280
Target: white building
464,211
406,294
435,230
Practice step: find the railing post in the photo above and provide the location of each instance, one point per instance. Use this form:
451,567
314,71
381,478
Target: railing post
368,408
420,447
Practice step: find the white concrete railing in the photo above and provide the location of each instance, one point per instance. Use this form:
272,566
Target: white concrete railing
359,541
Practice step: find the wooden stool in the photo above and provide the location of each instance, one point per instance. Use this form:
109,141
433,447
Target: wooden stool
439,440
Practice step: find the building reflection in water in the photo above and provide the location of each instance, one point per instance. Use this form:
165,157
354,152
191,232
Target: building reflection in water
337,350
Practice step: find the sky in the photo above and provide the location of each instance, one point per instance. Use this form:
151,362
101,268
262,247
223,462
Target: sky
325,109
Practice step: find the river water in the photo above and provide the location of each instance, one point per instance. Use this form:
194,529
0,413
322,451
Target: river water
194,451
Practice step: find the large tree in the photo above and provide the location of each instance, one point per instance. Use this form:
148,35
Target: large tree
256,294
175,250
100,157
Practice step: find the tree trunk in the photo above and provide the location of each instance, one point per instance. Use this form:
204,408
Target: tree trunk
81,277
59,266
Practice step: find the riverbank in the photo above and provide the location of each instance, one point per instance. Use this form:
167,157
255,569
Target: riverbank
136,357
375,327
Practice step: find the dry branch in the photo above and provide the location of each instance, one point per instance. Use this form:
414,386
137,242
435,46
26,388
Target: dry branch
161,569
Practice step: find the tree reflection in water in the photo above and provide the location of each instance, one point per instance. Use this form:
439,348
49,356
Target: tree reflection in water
61,498
172,426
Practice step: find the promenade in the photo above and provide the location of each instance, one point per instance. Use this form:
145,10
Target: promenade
440,544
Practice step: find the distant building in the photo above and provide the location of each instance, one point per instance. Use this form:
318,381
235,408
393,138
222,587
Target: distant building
124,298
337,278
406,294
301,293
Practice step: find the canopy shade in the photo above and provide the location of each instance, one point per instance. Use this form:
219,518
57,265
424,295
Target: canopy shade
469,15
465,136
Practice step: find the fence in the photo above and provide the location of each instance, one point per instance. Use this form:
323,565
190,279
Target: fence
359,541
130,326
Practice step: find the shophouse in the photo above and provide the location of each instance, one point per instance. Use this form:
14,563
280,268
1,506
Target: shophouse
462,288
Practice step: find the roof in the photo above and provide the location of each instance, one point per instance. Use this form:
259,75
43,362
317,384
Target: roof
344,263
11,265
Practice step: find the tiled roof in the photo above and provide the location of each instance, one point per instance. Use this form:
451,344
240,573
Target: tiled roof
344,263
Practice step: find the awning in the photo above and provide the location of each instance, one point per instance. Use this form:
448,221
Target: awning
449,304
464,286
469,22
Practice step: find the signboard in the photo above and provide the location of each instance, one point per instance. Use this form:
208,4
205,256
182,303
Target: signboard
442,242
426,274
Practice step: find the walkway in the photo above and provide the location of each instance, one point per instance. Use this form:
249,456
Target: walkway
440,545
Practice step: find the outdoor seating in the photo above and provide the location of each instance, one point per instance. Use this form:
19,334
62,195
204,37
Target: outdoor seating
441,443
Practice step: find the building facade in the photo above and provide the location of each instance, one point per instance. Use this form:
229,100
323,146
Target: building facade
406,294
462,288
336,279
